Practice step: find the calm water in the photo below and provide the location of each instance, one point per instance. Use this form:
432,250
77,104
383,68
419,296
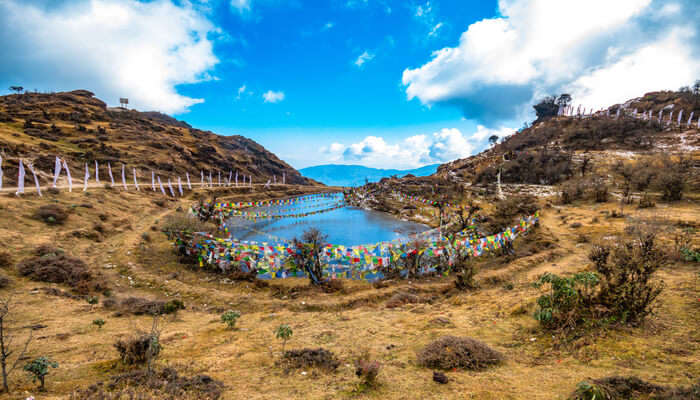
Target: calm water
345,226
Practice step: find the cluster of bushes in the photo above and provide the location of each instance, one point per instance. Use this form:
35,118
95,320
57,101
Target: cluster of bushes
593,188
52,265
623,388
618,290
141,306
668,176
508,211
52,214
544,167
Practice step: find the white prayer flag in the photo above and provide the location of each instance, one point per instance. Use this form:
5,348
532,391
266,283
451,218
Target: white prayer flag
56,172
172,192
36,180
136,183
219,178
284,178
236,178
230,173
250,177
189,186
661,113
124,177
70,180
161,186
275,178
97,172
680,115
202,172
87,176
617,114
179,185
1,172
153,180
670,118
20,178
690,120
210,182
267,185
109,171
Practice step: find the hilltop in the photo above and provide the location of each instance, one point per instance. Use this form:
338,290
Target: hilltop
357,175
81,128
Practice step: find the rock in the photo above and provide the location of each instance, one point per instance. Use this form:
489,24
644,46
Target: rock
439,377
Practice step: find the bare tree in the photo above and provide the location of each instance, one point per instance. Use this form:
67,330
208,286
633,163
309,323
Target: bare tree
6,340
17,89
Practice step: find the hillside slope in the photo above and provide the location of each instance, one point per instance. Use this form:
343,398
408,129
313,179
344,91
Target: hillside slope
81,128
357,175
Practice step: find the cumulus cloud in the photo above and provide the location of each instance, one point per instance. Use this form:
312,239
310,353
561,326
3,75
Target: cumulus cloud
435,29
363,58
539,47
241,5
241,90
114,48
273,97
439,147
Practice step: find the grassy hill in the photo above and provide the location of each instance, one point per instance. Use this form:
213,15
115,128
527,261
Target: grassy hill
81,128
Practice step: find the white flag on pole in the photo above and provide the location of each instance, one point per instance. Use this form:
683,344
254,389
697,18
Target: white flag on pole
202,177
109,171
124,177
236,178
275,178
680,115
36,180
230,173
210,182
20,178
136,183
690,120
267,185
170,186
70,180
87,176
153,180
284,178
161,186
219,178
97,172
179,185
661,113
56,172
189,185
670,118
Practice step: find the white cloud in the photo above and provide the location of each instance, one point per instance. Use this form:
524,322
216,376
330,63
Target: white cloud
241,5
241,90
540,47
273,97
328,25
114,48
363,58
433,31
439,147
424,9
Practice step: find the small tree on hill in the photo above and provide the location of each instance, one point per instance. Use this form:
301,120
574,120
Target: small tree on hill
307,254
6,341
17,89
39,368
564,100
547,107
493,139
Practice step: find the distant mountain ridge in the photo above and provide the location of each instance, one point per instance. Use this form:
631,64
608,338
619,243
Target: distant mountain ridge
356,175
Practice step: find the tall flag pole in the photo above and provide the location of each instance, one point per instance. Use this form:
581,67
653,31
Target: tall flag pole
70,180
20,178
109,171
87,175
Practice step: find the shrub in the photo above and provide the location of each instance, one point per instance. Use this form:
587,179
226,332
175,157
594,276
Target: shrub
6,259
309,358
4,281
367,370
507,211
59,268
98,322
600,191
39,368
141,306
458,352
570,192
646,202
623,388
230,317
166,383
307,257
138,349
93,300
401,298
181,222
283,332
52,214
619,290
671,178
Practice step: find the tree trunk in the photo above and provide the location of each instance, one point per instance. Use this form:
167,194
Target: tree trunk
3,357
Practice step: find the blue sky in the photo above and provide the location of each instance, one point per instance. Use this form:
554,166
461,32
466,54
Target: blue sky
391,84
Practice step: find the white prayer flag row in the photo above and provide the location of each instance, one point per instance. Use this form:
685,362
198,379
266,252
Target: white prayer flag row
569,111
61,165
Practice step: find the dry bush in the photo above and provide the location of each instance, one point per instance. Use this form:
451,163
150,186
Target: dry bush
450,352
533,167
138,349
140,384
141,306
508,211
309,358
182,222
571,191
56,267
4,281
367,369
671,178
5,259
623,388
401,298
52,214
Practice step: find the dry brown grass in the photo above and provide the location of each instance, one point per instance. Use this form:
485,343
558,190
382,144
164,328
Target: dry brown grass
245,359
